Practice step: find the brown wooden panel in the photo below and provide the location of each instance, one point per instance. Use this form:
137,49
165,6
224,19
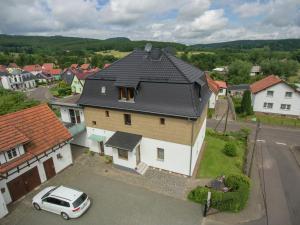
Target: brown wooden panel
23,184
49,168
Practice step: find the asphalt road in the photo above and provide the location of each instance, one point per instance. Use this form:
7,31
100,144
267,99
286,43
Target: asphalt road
280,173
40,93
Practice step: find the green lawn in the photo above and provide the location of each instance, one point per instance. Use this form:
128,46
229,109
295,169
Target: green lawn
115,53
215,163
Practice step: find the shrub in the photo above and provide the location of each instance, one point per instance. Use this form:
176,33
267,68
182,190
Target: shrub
230,149
233,201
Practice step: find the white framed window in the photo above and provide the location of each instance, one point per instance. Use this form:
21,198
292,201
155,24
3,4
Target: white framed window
270,93
11,154
268,105
288,94
160,154
103,90
285,106
122,154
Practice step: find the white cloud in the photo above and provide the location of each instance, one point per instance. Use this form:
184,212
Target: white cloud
188,21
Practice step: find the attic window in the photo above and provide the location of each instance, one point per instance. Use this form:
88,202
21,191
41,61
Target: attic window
162,121
126,94
103,90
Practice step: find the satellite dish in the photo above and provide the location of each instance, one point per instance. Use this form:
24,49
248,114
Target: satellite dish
148,47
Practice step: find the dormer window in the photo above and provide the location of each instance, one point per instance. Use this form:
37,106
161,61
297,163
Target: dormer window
103,90
126,94
11,154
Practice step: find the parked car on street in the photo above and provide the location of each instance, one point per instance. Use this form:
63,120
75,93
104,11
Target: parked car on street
67,202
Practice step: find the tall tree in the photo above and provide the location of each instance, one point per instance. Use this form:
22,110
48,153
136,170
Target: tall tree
239,72
246,106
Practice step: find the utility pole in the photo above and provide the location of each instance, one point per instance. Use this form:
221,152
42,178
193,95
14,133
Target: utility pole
225,127
254,146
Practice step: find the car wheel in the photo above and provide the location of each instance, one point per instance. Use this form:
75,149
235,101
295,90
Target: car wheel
36,206
65,216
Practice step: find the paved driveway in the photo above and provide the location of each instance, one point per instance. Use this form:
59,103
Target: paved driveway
114,203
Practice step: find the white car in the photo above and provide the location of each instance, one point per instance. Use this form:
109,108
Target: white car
67,202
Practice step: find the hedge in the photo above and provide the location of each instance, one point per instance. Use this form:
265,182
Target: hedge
234,200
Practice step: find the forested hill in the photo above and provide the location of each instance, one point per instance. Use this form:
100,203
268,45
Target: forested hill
281,45
43,44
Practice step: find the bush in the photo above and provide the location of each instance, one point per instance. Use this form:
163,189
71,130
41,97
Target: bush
230,149
233,201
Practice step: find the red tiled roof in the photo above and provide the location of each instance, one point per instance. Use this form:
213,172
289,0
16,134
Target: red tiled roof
85,66
55,71
106,65
82,75
38,125
10,137
31,68
264,83
212,84
221,84
74,66
48,66
3,68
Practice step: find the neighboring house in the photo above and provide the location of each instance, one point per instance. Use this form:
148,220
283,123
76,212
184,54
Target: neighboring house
214,88
222,87
73,118
44,78
34,69
12,66
74,66
297,86
47,67
85,66
273,95
68,75
28,80
238,90
255,70
147,109
17,80
106,65
79,80
34,146
56,73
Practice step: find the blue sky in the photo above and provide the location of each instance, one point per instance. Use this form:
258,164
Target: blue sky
186,21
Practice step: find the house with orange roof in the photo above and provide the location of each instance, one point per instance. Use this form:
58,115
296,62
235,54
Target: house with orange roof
34,69
272,95
86,66
214,88
34,146
222,87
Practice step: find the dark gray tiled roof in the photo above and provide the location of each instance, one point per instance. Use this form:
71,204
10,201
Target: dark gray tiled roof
123,140
168,86
68,76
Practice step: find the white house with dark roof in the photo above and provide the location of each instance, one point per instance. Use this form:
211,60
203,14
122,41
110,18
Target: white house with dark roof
147,109
272,95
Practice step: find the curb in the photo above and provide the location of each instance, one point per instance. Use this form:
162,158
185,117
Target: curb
292,150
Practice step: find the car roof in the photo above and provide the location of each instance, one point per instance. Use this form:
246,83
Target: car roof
66,193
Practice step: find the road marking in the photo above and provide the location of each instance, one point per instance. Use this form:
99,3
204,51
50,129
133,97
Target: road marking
259,140
280,143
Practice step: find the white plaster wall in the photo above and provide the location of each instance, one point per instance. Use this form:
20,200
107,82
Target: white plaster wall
130,163
20,151
65,115
198,145
5,82
277,99
81,139
176,156
222,91
93,145
59,165
3,209
212,101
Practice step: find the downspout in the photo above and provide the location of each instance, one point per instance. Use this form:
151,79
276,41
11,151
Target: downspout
191,154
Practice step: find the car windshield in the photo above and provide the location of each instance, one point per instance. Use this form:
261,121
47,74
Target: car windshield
79,200
48,193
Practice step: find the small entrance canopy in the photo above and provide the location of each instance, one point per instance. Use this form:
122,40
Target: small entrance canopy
123,140
97,138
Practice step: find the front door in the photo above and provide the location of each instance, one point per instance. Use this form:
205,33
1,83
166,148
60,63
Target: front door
138,155
101,148
49,168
